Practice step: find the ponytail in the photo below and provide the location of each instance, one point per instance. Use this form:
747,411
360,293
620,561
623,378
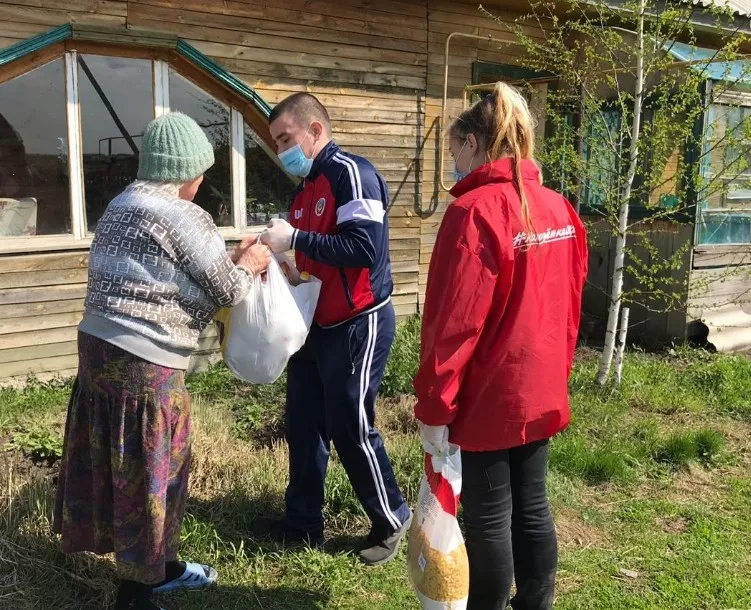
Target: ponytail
505,127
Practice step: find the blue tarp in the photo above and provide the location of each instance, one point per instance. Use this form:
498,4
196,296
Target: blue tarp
738,71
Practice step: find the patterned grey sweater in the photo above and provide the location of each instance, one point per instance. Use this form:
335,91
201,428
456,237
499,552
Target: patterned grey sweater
158,272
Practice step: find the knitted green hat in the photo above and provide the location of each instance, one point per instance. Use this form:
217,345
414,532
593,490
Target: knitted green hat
174,149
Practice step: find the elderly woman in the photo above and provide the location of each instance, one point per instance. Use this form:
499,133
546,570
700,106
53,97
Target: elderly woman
158,272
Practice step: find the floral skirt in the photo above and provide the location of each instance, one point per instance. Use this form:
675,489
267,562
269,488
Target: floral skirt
124,473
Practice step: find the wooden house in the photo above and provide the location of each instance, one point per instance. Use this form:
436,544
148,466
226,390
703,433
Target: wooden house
80,79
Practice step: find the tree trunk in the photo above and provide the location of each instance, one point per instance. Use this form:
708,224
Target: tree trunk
621,346
616,290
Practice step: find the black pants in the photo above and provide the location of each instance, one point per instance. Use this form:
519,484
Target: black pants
509,528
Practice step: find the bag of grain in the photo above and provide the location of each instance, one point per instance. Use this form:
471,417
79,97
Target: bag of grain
436,555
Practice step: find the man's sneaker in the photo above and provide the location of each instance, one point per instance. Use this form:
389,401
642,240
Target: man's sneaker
281,532
378,549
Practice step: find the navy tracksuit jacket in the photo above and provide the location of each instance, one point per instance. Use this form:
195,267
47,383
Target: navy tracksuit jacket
341,237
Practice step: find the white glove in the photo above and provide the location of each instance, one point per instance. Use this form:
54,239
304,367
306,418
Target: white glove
435,439
278,235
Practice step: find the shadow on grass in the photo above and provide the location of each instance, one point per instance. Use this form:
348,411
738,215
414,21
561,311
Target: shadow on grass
232,597
237,517
35,574
241,519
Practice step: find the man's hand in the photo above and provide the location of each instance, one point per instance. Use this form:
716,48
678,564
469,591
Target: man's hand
255,258
278,235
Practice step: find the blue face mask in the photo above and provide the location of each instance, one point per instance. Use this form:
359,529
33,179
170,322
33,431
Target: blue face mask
294,160
459,175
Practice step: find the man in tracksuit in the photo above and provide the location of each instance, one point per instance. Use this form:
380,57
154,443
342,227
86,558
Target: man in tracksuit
339,231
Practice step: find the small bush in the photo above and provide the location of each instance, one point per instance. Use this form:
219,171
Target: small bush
603,466
259,411
37,444
216,383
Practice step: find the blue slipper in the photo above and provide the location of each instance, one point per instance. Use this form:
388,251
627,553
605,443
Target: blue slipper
196,576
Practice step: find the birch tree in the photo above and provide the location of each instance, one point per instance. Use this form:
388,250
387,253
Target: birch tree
616,291
625,128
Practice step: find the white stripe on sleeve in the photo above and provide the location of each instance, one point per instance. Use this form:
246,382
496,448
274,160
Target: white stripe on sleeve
360,209
354,174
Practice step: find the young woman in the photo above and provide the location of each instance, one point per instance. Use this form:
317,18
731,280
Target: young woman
500,326
158,272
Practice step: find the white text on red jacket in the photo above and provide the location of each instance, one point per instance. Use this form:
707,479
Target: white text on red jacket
523,239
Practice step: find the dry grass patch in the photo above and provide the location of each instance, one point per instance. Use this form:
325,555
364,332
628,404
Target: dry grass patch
574,532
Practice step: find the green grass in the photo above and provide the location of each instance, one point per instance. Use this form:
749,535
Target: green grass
404,360
36,400
650,487
682,447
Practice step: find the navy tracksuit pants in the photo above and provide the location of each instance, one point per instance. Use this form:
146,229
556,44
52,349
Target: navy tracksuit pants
332,385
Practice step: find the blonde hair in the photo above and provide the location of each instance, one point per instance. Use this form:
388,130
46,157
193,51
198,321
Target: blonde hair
504,126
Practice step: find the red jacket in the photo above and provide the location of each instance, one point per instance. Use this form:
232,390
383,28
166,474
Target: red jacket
502,312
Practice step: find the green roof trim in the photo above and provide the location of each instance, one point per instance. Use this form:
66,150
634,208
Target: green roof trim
227,78
34,44
189,52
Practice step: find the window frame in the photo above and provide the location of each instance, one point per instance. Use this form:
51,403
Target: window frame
191,65
738,97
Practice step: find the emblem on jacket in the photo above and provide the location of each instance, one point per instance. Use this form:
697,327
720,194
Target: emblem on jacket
298,214
320,205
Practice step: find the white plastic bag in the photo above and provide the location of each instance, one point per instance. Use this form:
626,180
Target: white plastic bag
259,334
436,555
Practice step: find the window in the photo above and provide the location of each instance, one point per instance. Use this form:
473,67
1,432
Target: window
601,152
485,72
268,189
111,125
71,131
34,189
215,193
736,151
725,211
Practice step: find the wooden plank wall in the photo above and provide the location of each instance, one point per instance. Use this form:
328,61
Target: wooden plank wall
41,302
445,17
720,296
720,277
365,59
647,327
